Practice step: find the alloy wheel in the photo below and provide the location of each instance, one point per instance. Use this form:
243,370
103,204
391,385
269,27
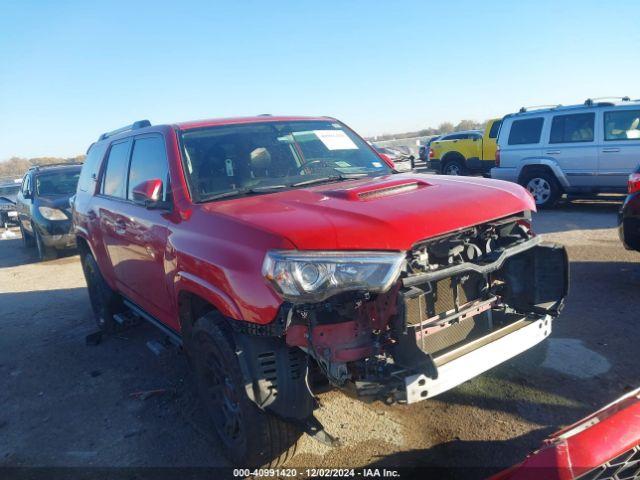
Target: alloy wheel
452,169
218,382
540,189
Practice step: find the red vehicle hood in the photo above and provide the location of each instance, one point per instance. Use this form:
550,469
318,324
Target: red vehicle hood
391,212
607,440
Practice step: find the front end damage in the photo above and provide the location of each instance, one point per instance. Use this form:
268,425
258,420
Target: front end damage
463,303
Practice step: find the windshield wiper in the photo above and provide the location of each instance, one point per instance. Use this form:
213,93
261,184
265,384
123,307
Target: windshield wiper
267,188
243,191
332,178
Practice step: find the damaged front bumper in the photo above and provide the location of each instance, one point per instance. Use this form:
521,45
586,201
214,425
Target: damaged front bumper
463,304
443,327
474,358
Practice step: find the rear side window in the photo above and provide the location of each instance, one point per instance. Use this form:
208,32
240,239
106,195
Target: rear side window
115,176
91,166
572,128
622,125
493,133
525,132
148,162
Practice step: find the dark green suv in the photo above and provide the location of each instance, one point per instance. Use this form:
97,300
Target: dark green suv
44,214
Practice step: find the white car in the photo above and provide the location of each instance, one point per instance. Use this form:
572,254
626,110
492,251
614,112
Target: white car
580,149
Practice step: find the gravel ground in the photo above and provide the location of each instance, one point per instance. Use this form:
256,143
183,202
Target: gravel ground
63,403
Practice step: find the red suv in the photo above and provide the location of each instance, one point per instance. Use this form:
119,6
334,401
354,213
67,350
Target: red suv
280,251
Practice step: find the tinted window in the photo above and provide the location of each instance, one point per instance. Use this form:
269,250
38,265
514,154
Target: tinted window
115,176
525,131
493,133
91,167
455,136
622,125
148,161
572,128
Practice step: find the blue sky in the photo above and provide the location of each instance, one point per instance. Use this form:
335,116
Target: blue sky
71,70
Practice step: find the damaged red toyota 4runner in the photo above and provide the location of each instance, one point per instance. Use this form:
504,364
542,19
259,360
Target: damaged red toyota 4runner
281,252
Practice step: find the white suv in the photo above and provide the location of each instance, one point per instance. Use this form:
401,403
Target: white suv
580,149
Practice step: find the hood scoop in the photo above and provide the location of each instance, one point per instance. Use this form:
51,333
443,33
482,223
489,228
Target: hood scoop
373,190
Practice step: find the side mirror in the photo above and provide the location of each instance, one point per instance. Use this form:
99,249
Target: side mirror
149,194
27,194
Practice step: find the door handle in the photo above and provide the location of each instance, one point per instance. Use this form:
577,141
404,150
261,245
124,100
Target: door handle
553,152
610,150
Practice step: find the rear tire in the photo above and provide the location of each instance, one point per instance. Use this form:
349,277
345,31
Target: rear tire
105,303
454,167
44,252
249,437
543,186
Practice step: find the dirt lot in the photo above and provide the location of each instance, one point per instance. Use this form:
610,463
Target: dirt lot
63,403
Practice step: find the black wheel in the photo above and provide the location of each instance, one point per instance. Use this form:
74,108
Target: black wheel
543,186
105,303
454,167
44,252
249,437
27,240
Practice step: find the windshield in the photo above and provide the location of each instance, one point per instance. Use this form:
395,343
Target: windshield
263,157
60,183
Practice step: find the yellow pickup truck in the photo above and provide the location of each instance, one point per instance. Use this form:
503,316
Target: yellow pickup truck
462,153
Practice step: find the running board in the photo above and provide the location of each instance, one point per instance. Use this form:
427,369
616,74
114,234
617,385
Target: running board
174,337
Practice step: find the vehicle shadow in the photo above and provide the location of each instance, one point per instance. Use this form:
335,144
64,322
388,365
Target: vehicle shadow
579,214
66,403
463,459
13,253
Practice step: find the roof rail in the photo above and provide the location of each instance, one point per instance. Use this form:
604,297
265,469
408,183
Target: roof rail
58,164
538,107
589,102
133,126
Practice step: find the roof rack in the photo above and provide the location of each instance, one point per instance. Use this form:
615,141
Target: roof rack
59,164
589,102
538,107
133,126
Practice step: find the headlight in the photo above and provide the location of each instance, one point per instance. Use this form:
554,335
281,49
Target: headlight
52,213
315,276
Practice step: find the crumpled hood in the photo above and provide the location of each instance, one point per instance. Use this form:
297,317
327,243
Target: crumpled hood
391,212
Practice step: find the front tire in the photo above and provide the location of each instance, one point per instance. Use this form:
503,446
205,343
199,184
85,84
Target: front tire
249,436
105,303
543,186
27,240
44,252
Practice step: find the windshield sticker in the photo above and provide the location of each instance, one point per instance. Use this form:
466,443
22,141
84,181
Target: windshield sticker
376,164
343,164
229,167
335,140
